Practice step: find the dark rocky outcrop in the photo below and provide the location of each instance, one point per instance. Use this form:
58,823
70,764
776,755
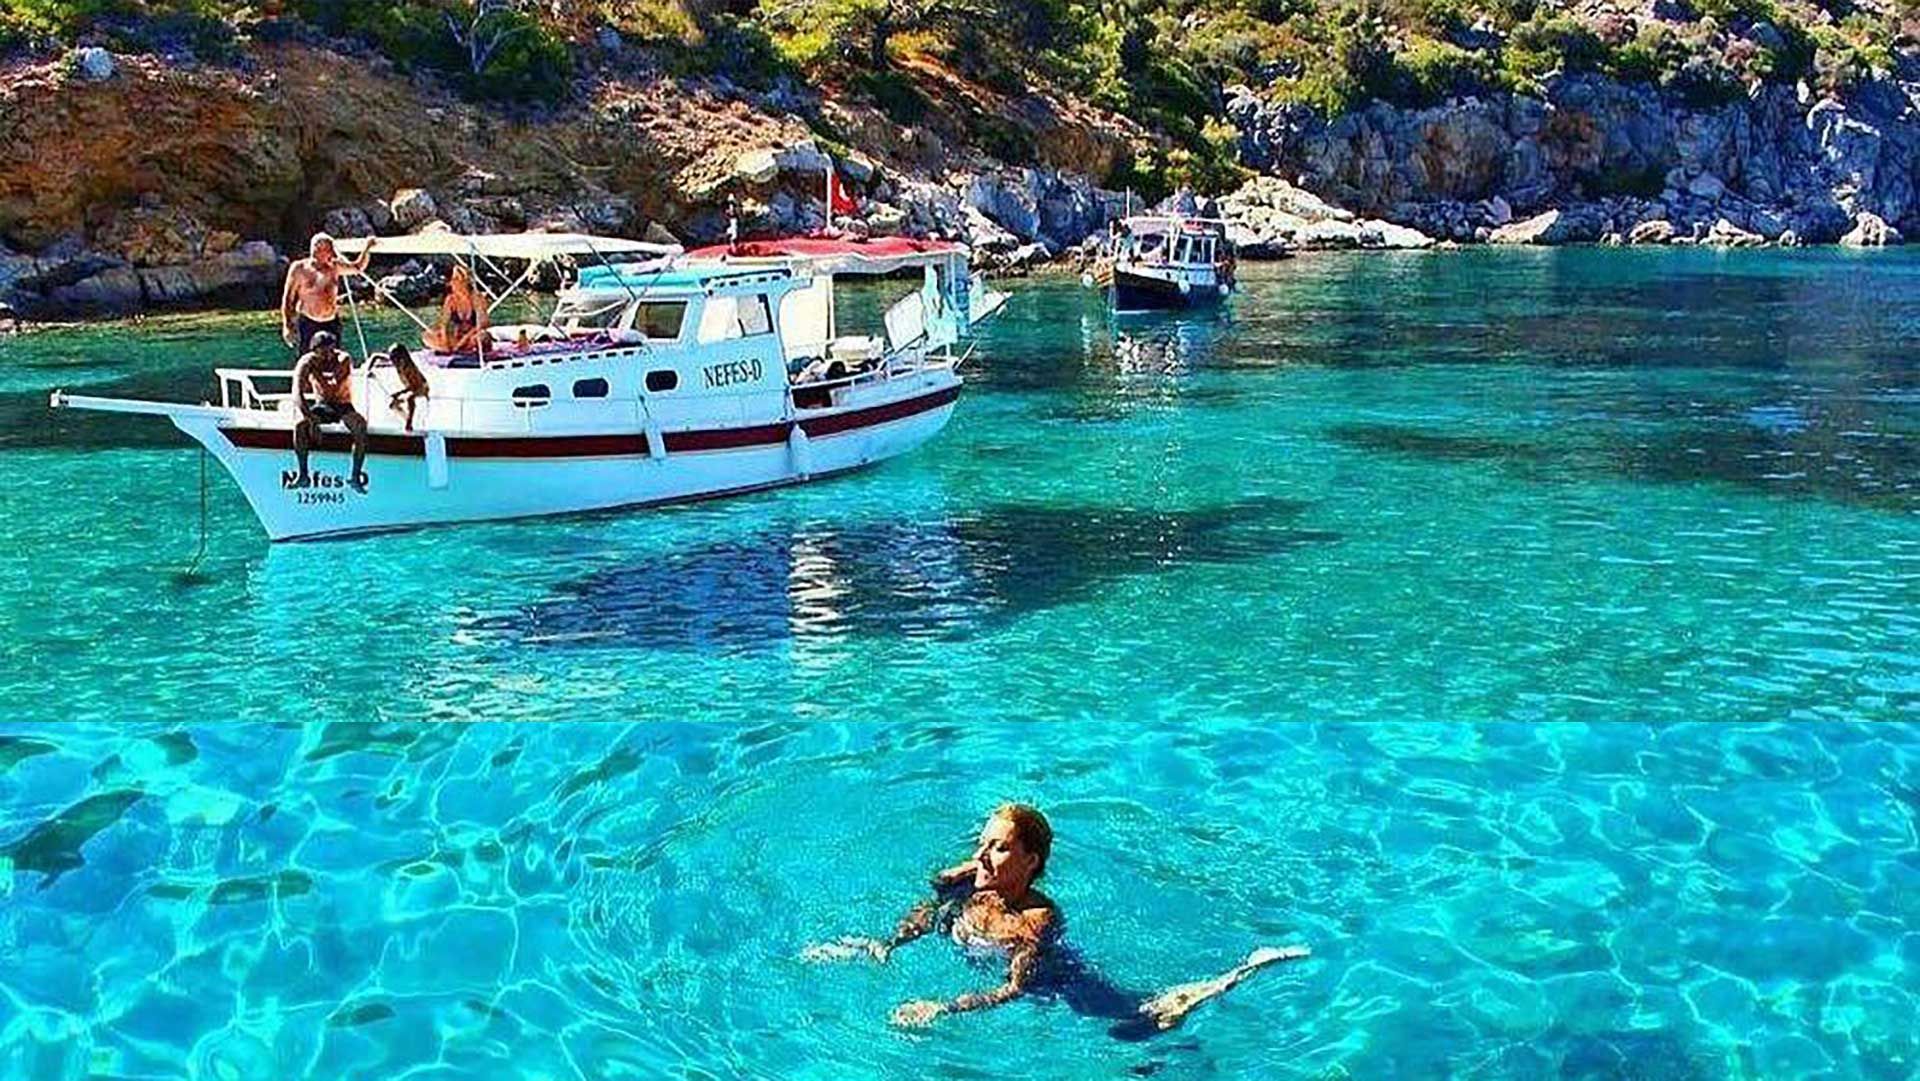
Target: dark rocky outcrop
1608,156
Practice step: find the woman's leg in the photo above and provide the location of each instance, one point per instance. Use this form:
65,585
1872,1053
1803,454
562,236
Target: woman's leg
1170,1007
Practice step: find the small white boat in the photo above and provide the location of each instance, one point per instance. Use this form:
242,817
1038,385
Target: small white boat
686,376
1166,261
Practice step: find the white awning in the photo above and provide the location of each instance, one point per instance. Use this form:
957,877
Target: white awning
534,246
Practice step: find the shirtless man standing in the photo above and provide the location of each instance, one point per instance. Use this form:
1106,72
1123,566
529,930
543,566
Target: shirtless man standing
311,301
328,375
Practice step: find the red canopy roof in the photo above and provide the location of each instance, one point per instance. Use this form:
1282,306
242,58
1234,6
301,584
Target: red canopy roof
835,255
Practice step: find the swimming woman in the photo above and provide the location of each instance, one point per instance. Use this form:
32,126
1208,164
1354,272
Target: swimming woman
988,905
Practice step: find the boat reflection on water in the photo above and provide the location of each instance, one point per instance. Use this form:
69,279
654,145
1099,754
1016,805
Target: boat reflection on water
930,576
1172,346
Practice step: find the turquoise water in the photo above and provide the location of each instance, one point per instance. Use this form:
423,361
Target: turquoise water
1150,577
628,900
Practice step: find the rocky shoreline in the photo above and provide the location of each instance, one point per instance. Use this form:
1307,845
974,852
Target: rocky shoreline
256,164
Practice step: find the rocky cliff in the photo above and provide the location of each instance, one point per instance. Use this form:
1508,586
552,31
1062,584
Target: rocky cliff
131,182
1609,157
127,183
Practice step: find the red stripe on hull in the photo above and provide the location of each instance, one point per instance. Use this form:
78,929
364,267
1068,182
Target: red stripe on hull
600,446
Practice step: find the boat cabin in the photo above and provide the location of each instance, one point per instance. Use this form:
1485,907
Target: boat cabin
1171,241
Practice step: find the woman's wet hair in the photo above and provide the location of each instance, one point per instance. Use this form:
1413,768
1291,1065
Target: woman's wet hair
1031,827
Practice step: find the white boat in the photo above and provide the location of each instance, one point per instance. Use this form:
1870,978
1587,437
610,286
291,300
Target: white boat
683,377
1166,261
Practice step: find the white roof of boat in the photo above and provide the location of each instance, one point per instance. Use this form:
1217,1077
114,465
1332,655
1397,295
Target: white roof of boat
535,246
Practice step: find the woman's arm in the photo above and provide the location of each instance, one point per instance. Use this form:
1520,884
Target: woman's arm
917,922
955,875
1019,971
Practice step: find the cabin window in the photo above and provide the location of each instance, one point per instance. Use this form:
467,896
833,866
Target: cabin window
1206,251
588,312
727,318
755,317
662,380
660,320
1184,252
532,396
590,388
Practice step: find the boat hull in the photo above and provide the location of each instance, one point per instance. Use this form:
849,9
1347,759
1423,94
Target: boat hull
1140,293
413,481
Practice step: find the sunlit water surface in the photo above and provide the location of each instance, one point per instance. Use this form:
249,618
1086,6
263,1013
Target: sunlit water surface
1488,487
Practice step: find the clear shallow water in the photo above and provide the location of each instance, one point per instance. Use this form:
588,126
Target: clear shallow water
1488,487
1568,484
627,900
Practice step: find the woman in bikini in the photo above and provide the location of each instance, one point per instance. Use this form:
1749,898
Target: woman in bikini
463,318
989,907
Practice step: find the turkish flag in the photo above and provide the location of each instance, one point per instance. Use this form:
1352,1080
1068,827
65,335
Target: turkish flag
837,198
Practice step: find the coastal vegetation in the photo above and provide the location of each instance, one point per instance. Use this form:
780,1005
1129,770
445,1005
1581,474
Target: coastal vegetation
1162,66
169,152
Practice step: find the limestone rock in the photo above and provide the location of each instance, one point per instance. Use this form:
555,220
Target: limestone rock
415,282
1543,228
886,220
1725,234
983,233
1273,193
347,221
756,166
93,64
1870,231
1657,231
858,168
1706,186
1027,255
1385,234
412,208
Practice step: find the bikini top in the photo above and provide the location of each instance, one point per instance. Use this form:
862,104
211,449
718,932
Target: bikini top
463,321
953,903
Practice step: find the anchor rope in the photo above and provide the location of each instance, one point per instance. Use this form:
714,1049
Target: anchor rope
201,554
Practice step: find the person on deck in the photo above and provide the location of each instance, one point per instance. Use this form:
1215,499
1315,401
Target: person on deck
990,909
463,317
327,373
413,382
310,302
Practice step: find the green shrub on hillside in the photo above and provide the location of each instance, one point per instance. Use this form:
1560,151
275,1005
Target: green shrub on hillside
497,51
1653,55
1548,43
1851,51
200,27
1434,71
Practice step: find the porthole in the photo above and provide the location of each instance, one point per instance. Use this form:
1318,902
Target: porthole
590,388
532,396
662,380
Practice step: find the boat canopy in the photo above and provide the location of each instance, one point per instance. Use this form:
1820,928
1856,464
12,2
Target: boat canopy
663,276
537,247
1148,224
835,255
